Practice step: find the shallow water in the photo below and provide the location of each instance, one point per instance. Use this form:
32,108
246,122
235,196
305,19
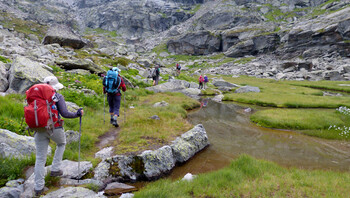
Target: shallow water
230,134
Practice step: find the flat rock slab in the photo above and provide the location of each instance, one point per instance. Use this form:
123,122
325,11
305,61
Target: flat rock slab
76,192
117,188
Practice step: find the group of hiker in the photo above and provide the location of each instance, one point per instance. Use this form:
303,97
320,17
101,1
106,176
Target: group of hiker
45,110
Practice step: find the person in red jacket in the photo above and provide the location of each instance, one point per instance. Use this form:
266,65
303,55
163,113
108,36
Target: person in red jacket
200,81
115,98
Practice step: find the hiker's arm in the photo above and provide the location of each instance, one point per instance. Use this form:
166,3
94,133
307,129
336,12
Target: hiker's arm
62,108
122,85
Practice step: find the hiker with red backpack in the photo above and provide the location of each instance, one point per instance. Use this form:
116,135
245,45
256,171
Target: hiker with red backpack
200,81
112,84
43,115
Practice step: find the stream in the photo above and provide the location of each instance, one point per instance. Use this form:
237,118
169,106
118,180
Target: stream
231,134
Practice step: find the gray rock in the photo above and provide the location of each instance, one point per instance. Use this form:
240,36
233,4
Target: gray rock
4,84
11,192
70,169
332,75
24,73
247,89
198,43
189,143
172,86
191,91
127,195
161,104
74,182
71,136
224,84
15,183
104,153
102,170
157,162
77,192
80,64
64,36
117,188
72,107
155,117
218,98
14,145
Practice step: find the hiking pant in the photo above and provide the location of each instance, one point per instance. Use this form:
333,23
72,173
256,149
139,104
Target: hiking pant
114,103
42,140
200,85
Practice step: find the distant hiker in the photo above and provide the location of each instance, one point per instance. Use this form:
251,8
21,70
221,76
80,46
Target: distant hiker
112,83
155,75
178,68
206,80
200,81
43,115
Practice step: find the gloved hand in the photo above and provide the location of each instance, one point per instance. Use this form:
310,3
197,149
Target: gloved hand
80,112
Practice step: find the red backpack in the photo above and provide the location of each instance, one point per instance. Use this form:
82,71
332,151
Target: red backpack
41,110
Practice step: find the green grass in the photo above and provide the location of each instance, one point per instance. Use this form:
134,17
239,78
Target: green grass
299,119
4,60
12,168
284,94
12,113
139,132
248,177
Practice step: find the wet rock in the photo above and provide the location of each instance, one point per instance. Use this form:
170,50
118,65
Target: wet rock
64,36
73,192
117,188
14,145
247,89
24,73
104,153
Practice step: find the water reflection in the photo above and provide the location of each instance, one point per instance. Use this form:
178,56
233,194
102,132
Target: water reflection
231,134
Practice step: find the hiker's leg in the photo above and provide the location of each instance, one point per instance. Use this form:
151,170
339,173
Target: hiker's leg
41,145
117,100
60,138
110,103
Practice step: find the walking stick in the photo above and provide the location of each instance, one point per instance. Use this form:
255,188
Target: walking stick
124,108
79,150
104,109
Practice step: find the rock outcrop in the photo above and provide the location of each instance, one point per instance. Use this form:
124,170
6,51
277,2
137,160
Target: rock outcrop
80,64
64,36
14,145
153,164
24,73
73,192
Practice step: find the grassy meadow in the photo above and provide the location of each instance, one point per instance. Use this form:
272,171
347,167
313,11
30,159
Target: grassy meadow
249,177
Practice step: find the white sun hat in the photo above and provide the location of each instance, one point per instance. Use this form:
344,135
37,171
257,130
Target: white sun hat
52,80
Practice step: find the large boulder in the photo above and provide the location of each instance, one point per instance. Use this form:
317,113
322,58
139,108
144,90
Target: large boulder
80,64
246,89
198,43
4,83
153,164
77,192
157,162
24,73
172,86
189,143
64,36
14,145
344,28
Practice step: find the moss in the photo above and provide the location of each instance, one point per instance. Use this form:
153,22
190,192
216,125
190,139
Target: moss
137,165
114,170
244,60
4,60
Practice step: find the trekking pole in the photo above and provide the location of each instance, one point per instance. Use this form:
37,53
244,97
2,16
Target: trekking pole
79,150
124,109
104,109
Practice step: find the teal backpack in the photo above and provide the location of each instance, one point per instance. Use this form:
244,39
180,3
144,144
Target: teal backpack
112,82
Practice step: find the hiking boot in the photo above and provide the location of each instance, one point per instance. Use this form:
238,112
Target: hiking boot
116,123
56,173
38,193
